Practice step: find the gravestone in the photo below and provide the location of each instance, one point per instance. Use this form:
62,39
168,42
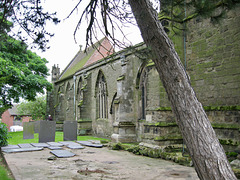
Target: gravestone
90,144
47,131
75,146
27,145
70,130
10,147
23,150
54,147
66,143
44,145
55,144
28,130
62,153
36,126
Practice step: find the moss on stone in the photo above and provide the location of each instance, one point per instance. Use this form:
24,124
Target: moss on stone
120,78
221,108
167,138
225,126
56,105
229,142
237,172
165,124
84,120
80,103
163,109
150,63
59,122
207,108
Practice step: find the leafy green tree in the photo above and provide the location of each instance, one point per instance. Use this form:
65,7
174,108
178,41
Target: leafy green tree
36,108
28,19
23,74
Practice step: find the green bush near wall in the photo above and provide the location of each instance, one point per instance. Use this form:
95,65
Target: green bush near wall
3,135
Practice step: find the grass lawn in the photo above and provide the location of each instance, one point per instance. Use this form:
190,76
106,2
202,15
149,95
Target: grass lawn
5,174
17,138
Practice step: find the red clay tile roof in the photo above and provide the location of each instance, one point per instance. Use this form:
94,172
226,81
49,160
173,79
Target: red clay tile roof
98,51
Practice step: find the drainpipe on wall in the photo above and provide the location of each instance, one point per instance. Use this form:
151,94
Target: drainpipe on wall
74,97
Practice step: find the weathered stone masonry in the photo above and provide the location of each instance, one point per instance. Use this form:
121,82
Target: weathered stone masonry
121,96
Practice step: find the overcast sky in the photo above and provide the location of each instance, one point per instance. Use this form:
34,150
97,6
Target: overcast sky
63,46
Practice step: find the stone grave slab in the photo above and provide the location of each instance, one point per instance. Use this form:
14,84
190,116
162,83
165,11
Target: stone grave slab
70,130
27,145
62,153
75,146
40,145
22,150
89,144
47,131
10,147
54,144
28,130
36,126
54,147
95,141
65,143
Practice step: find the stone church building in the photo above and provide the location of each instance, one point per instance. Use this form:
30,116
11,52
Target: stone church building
119,95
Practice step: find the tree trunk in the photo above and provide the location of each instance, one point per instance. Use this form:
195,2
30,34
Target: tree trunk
207,154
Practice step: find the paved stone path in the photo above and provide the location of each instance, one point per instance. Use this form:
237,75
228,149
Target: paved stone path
94,164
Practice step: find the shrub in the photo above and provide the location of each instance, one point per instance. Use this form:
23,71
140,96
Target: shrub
3,135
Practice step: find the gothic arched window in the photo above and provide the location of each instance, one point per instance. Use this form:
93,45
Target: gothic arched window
79,97
101,95
143,90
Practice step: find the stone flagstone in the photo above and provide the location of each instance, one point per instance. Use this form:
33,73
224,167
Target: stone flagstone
75,146
27,145
89,144
40,145
10,147
54,144
22,150
54,147
65,143
62,153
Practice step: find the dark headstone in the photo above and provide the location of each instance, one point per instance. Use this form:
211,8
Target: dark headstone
22,150
27,145
36,126
40,145
62,153
47,131
70,130
28,130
